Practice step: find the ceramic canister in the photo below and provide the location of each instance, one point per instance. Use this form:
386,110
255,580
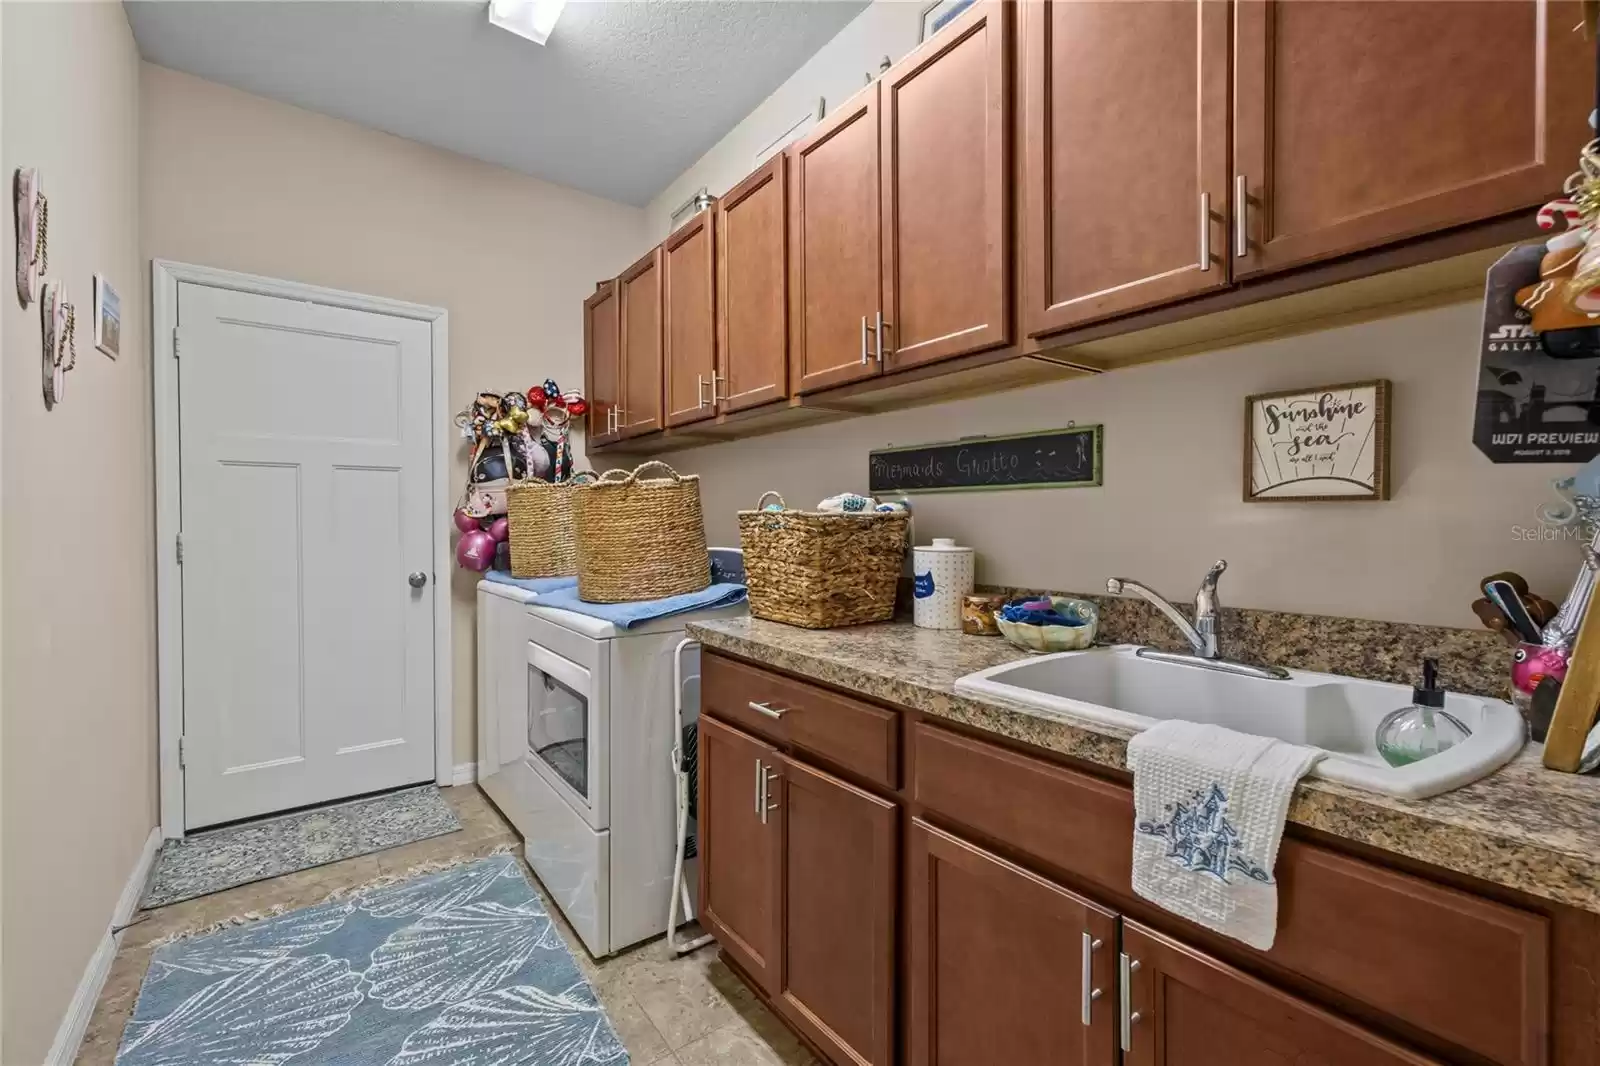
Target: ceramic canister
943,574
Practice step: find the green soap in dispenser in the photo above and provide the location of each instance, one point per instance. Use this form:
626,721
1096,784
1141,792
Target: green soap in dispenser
1413,733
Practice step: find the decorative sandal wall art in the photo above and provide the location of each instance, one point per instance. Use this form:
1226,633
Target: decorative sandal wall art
58,322
33,238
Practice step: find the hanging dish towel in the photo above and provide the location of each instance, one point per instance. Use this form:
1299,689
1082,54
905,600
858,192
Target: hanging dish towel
636,611
1209,806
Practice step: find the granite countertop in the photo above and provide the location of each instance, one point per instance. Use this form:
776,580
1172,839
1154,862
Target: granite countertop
1524,827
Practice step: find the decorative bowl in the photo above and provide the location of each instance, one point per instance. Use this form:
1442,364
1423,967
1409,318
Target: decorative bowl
1051,638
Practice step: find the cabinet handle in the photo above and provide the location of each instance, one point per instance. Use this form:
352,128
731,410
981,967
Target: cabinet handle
1205,231
864,357
761,790
1129,1015
775,713
700,390
1241,215
769,806
1089,994
716,379
877,334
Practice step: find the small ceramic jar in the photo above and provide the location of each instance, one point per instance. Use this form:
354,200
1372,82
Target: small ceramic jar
943,573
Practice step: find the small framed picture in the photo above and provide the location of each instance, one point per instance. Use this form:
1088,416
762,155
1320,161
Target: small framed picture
107,317
1330,443
939,14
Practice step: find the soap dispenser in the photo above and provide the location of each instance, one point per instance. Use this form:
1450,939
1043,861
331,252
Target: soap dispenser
1422,729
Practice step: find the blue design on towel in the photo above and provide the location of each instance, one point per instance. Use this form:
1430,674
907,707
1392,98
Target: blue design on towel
1201,839
631,614
924,586
463,967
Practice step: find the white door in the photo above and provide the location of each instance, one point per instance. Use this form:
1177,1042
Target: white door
306,552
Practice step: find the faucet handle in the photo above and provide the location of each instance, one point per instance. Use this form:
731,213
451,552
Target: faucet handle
1210,580
1205,600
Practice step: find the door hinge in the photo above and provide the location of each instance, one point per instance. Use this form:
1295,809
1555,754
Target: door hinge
180,549
183,761
177,335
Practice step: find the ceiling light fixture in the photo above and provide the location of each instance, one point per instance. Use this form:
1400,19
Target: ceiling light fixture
533,19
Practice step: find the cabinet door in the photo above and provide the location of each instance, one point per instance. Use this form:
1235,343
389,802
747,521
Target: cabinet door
688,296
1124,156
1357,124
639,295
947,193
839,860
739,856
602,362
753,289
835,248
1185,1008
1005,966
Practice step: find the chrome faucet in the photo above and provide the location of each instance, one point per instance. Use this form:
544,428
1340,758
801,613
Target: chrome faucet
1201,635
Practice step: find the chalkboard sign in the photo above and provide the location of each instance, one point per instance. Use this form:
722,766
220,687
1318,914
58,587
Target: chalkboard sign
1049,459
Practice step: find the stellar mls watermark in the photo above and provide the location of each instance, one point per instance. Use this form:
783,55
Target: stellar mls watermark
1543,532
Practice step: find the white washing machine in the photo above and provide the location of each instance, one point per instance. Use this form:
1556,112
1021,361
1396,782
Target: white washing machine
575,734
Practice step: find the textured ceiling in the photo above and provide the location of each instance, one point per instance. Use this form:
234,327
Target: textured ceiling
627,94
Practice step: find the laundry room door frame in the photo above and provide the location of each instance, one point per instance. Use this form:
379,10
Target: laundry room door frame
165,277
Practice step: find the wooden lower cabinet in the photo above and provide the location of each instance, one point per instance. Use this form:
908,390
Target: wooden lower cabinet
739,901
999,958
839,904
1187,1009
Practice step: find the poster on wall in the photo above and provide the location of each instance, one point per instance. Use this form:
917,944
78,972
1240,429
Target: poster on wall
1532,408
1329,443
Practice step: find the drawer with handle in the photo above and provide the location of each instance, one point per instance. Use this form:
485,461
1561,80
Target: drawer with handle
854,736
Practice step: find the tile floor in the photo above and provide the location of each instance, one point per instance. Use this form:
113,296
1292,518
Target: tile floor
688,1011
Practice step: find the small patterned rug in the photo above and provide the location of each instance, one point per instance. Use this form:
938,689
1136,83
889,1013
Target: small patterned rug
208,862
463,967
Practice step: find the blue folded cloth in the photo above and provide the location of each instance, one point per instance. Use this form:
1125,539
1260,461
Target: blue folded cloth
541,585
631,614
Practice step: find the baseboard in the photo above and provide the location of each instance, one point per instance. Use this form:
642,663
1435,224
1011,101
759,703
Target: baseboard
69,1036
465,773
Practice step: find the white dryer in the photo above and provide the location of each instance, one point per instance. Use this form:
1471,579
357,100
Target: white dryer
575,734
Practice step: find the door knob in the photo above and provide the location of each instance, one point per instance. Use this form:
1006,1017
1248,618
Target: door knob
417,579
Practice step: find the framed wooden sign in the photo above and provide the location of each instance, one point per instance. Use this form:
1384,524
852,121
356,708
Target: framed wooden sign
1329,443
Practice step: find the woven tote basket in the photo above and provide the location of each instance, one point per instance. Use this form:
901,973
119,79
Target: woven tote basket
542,540
640,538
820,570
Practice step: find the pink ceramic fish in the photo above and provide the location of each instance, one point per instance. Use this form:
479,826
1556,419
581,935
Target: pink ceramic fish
1532,663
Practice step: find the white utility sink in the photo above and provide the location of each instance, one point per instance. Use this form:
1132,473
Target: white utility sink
1340,715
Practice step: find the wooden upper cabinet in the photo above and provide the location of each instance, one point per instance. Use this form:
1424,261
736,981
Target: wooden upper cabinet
840,855
1196,1011
1124,167
602,362
947,192
688,296
1357,124
835,249
999,958
639,298
753,290
739,851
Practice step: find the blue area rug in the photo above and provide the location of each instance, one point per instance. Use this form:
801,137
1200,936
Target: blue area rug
213,860
462,967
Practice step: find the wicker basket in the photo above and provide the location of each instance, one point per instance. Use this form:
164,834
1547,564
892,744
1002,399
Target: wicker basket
640,538
820,570
540,514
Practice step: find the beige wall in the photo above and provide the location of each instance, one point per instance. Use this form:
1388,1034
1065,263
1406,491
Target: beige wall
78,691
1171,500
835,72
242,183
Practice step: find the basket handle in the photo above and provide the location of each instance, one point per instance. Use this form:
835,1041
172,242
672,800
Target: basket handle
612,477
761,503
640,469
